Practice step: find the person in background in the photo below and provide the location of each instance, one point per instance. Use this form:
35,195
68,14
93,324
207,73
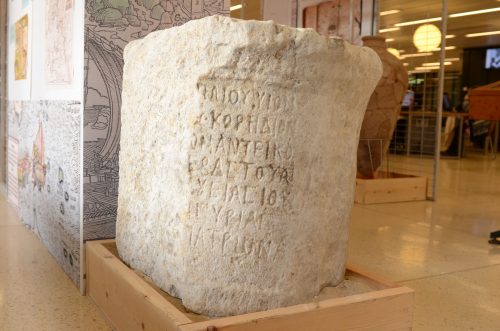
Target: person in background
446,102
465,102
408,101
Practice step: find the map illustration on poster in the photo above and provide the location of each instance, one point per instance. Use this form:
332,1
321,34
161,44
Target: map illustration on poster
48,175
12,187
21,49
59,42
107,30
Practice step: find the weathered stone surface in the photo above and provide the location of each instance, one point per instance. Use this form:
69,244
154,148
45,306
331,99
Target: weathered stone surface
238,161
383,109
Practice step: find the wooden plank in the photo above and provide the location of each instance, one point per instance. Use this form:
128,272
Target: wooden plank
384,310
385,190
127,301
359,193
492,89
374,279
131,303
485,107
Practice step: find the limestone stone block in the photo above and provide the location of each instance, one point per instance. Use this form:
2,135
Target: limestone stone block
238,161
382,111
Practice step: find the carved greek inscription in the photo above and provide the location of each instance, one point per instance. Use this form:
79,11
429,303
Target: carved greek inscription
241,148
258,99
271,125
241,170
243,194
221,215
232,244
241,166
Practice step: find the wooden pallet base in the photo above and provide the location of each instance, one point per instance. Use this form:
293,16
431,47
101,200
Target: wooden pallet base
390,187
130,302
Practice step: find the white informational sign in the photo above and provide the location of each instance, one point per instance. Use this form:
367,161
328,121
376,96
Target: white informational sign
12,183
59,42
492,58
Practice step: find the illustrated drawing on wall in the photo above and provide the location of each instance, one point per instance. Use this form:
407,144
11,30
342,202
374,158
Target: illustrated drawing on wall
12,172
107,30
48,173
39,165
21,49
58,39
23,170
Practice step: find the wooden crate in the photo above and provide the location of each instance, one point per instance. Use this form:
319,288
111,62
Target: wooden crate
391,187
130,302
485,102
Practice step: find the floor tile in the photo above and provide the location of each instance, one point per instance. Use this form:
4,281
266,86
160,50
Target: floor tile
468,300
35,294
438,248
8,215
413,250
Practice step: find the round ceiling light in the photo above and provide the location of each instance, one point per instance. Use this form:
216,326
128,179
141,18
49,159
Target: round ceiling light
394,52
427,37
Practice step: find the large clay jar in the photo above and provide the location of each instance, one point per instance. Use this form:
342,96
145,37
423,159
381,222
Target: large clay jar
383,109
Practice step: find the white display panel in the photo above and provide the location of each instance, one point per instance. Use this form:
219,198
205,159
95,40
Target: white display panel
58,41
492,58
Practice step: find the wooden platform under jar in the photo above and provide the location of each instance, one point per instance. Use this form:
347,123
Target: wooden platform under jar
130,302
390,187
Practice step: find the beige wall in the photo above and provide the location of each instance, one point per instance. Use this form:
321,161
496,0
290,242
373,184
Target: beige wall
280,11
252,9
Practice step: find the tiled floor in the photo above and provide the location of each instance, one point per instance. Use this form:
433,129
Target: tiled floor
438,248
35,294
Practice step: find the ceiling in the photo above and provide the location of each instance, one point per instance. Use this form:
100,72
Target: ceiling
458,26
418,10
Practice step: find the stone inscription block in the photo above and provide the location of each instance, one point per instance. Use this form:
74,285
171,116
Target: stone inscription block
238,160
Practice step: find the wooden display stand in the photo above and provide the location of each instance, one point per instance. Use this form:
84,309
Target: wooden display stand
130,302
485,102
390,187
